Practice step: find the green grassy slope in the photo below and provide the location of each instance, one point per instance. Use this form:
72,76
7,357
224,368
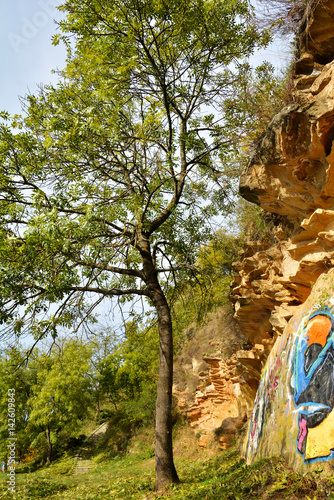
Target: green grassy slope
224,476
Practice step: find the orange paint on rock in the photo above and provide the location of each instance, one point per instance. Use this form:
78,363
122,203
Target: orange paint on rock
318,330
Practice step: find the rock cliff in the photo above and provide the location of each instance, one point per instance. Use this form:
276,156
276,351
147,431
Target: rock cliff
283,291
279,285
207,379
216,378
292,175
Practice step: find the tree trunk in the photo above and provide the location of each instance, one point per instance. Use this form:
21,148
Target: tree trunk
97,413
48,440
164,462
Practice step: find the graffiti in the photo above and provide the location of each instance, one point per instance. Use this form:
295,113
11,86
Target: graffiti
293,411
265,397
302,433
274,375
313,385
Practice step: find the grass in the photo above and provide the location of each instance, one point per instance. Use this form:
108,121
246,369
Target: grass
131,477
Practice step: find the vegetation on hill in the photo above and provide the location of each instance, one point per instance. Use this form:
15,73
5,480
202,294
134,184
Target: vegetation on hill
58,391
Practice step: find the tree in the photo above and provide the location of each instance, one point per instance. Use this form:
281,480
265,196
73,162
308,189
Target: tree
131,366
102,343
110,180
60,395
127,378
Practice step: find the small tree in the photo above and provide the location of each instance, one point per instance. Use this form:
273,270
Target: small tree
60,396
111,179
131,366
102,344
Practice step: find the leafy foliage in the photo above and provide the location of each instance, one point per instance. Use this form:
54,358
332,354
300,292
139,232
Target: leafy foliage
210,288
60,395
132,363
55,390
52,396
14,376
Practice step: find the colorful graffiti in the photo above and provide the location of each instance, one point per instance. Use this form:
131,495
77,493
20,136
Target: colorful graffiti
293,412
313,385
265,397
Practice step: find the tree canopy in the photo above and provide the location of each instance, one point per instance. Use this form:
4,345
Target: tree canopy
110,180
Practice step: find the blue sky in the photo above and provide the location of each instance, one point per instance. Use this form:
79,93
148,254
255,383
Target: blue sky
27,55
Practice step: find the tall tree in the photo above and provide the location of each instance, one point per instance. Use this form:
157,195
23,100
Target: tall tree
110,180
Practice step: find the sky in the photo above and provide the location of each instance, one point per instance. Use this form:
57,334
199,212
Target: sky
27,55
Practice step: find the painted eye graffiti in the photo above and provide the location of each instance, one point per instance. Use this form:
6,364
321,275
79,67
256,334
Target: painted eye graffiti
318,330
318,366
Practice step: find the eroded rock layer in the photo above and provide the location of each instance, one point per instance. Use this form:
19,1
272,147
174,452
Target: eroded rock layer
216,398
208,379
219,408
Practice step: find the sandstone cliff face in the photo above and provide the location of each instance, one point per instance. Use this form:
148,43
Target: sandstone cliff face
224,395
216,399
208,378
292,175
